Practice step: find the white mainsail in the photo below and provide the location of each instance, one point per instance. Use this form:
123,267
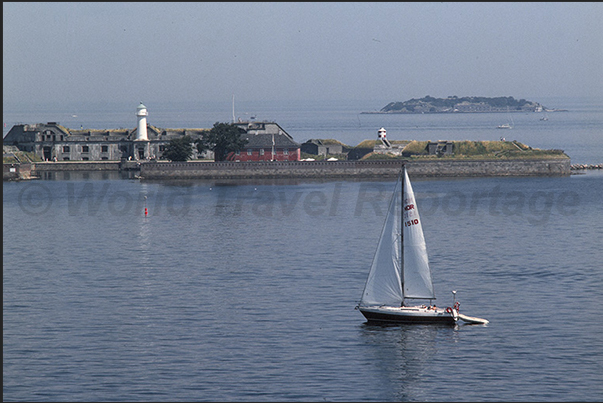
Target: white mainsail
400,268
417,275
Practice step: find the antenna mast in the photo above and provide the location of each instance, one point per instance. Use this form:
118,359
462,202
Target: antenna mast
233,114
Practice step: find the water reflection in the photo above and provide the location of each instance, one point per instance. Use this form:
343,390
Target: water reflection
144,234
405,355
85,175
262,181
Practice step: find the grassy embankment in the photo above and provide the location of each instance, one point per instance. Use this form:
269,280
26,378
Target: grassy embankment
471,150
20,157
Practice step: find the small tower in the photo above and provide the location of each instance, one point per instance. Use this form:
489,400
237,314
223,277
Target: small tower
381,135
141,113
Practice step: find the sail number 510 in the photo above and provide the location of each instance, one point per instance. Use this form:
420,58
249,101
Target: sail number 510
411,222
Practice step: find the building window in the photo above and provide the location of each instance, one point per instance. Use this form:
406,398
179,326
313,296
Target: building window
65,158
104,149
285,151
161,148
85,149
65,149
238,152
261,151
84,158
249,151
104,158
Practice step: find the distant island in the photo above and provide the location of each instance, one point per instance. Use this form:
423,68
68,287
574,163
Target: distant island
455,104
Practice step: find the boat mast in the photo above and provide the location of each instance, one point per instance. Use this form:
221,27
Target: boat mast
402,181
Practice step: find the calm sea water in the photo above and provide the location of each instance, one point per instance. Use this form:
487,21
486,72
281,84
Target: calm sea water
246,291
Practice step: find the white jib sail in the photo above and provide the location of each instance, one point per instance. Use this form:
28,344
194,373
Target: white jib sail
383,286
416,273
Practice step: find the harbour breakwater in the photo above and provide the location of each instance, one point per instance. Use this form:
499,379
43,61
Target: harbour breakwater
49,170
372,169
579,167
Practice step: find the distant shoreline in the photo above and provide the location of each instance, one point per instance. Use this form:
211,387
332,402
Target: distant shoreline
449,112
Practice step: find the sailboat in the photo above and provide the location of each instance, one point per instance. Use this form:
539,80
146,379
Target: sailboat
400,269
506,125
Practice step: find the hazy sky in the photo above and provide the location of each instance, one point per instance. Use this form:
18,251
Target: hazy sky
79,52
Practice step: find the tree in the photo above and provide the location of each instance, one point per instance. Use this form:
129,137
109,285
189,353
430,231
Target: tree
222,139
179,149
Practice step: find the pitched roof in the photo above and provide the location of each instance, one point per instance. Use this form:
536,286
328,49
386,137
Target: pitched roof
264,140
259,134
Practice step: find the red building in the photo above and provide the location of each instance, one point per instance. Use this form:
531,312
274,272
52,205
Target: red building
266,141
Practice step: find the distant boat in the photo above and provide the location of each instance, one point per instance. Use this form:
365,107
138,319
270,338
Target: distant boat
545,117
400,269
506,125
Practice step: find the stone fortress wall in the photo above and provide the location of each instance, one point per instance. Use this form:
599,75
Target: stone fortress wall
354,169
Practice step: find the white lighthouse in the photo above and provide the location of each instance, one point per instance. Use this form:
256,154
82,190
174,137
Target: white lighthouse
141,113
382,135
